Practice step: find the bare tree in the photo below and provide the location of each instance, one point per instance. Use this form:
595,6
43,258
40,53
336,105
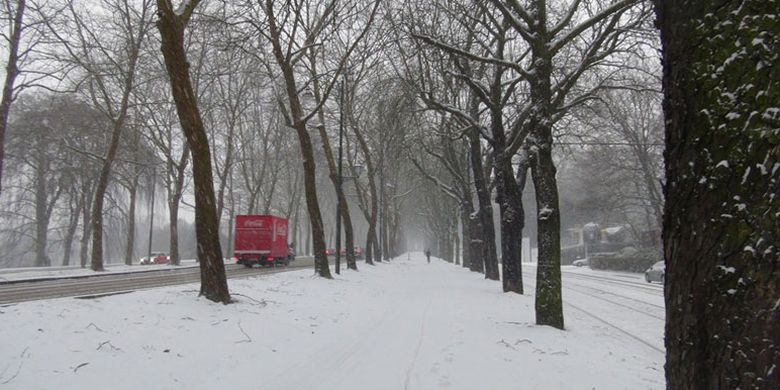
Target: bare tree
292,28
172,23
13,37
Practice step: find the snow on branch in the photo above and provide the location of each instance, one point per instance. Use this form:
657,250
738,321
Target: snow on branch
487,60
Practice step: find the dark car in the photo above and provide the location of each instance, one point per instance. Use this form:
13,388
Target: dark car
656,273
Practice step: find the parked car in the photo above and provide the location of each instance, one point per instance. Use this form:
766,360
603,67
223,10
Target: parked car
359,254
581,262
156,258
656,273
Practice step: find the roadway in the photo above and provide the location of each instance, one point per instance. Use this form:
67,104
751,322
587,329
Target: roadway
115,283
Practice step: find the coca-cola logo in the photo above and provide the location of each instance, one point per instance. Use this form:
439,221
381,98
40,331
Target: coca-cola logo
281,230
253,223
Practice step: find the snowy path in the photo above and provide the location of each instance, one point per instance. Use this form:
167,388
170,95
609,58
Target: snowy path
403,325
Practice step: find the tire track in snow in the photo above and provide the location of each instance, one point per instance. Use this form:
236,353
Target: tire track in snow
611,324
419,344
618,328
618,303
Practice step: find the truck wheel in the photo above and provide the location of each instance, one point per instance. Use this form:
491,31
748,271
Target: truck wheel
248,265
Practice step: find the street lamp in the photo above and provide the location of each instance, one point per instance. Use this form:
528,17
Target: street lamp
151,217
339,180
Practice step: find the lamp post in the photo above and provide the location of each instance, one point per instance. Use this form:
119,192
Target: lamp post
339,180
151,218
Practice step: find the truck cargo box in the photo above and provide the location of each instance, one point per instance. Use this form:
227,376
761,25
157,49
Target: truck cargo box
261,239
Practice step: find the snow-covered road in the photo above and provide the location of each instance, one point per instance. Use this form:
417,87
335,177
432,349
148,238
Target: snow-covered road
403,325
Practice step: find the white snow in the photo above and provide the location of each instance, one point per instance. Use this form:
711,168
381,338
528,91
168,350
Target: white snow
402,325
545,213
727,270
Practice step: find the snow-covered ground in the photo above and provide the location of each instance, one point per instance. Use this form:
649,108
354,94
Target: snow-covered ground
402,325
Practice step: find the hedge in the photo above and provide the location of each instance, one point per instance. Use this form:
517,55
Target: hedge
635,262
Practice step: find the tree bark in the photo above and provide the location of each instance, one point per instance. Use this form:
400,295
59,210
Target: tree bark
372,241
549,304
338,185
70,232
721,216
130,243
86,226
11,72
212,267
465,222
174,198
41,201
484,212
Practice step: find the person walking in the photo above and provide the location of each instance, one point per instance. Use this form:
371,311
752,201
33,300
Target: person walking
428,255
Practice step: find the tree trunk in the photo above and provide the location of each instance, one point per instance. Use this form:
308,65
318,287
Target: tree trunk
510,203
11,72
549,304
70,233
484,212
372,253
174,199
465,221
720,224
334,175
41,217
130,246
100,192
212,267
307,152
86,226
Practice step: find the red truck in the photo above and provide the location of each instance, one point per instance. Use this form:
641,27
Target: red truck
262,239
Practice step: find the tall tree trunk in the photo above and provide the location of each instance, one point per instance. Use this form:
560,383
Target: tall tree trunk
118,124
510,203
11,72
86,226
307,151
372,253
174,198
484,212
334,174
721,218
41,217
70,233
100,192
213,283
549,304
130,245
465,221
